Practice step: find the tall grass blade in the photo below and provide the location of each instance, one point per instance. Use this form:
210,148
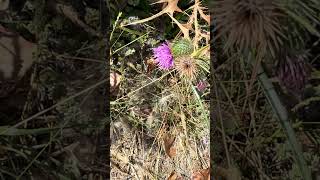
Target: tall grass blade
20,132
304,22
282,115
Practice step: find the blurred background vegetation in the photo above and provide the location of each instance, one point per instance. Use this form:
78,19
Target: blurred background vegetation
264,119
53,118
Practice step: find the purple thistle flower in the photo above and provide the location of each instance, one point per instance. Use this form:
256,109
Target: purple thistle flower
163,56
202,85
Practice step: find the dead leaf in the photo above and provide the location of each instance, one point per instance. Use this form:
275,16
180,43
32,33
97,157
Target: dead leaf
16,54
114,82
184,29
120,156
170,8
174,176
16,59
203,174
202,14
168,145
70,13
114,79
151,65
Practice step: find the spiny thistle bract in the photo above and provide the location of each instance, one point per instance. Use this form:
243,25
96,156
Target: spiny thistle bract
181,47
187,67
202,85
249,24
293,72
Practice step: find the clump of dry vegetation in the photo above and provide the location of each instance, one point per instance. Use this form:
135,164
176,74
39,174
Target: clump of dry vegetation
160,113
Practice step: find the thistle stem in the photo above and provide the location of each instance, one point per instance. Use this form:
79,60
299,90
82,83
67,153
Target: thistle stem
282,115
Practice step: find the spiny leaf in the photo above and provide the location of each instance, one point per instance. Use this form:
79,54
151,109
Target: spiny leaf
171,7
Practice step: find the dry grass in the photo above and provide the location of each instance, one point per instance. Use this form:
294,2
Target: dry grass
160,121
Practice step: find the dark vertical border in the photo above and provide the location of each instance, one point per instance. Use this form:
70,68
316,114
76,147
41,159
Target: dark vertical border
104,28
212,60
